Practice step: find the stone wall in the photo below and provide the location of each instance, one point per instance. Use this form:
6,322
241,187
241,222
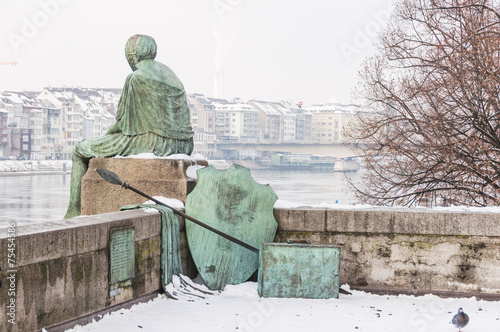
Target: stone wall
62,267
405,249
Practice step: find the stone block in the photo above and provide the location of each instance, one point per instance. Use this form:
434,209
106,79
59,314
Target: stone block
301,219
154,177
413,221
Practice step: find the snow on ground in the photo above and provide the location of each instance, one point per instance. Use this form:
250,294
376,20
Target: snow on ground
172,202
239,308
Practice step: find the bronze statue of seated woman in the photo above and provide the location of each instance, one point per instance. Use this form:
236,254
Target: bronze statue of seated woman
152,116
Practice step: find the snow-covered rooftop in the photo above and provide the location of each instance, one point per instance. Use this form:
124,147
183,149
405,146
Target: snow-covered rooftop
265,107
284,110
235,107
332,108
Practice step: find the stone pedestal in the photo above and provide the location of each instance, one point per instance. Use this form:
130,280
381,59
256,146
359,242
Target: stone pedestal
155,177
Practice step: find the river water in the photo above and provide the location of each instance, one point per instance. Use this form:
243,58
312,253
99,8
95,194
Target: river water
41,197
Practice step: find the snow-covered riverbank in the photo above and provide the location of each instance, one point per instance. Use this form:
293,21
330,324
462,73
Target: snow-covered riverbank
19,166
15,166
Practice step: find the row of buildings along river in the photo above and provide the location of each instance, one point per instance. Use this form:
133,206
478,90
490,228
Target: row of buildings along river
47,124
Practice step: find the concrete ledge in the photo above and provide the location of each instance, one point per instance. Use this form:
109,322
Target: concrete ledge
62,267
389,221
413,221
303,219
69,237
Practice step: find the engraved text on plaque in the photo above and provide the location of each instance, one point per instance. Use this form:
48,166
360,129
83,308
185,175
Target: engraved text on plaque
121,254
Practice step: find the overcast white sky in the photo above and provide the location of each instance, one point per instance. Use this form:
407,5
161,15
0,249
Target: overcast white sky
307,50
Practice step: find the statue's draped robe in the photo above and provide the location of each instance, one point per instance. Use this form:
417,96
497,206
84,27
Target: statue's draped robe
152,116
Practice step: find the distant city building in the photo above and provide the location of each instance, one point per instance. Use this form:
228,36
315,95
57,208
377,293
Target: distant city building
203,120
52,133
269,120
329,120
4,131
24,125
288,123
85,113
236,121
303,121
48,124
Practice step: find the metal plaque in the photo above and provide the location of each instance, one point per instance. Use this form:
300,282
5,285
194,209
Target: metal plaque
121,254
299,270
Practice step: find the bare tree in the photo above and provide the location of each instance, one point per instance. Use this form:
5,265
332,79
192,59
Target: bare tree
433,131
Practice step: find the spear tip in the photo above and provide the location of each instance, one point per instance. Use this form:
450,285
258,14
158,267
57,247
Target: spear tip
109,176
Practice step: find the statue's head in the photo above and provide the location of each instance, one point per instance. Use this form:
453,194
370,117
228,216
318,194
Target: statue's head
139,48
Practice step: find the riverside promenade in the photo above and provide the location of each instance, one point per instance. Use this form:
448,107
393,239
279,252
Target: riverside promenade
62,267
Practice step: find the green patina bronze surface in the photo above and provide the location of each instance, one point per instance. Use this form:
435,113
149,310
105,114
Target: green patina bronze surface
299,270
152,116
232,202
170,241
121,254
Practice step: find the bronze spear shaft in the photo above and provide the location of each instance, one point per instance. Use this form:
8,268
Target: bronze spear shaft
115,179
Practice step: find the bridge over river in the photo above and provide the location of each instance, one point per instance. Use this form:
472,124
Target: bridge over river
337,150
